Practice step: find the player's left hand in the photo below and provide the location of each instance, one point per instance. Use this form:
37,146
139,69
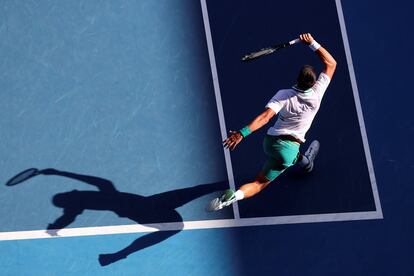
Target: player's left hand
233,140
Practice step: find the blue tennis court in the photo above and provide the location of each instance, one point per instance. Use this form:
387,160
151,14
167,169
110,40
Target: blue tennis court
122,107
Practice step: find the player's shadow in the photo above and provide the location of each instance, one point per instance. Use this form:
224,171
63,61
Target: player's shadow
158,208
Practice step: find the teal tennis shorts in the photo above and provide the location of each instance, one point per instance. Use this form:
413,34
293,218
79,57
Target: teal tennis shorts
281,155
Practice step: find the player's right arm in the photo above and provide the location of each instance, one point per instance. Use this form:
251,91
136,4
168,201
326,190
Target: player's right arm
102,184
324,55
236,136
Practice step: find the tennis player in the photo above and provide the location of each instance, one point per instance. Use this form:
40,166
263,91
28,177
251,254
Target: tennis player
297,107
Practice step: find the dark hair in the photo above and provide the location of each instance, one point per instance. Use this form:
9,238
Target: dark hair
306,78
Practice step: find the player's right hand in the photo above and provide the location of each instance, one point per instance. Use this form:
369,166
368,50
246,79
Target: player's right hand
306,38
233,140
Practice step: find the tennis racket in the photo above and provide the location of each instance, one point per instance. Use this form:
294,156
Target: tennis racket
269,50
23,176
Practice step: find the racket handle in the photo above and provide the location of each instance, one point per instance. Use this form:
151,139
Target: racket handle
297,40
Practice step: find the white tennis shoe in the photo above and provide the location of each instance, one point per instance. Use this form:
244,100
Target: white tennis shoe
224,200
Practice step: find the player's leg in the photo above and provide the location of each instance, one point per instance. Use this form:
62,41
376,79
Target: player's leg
253,188
145,241
281,155
247,190
306,160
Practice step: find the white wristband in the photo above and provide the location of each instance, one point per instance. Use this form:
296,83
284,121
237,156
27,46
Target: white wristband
314,46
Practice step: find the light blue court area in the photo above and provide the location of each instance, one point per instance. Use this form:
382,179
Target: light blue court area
122,106
117,98
187,253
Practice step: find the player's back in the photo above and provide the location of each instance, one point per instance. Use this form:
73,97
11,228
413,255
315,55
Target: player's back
297,108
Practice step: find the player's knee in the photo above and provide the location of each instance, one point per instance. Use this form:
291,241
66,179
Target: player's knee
262,181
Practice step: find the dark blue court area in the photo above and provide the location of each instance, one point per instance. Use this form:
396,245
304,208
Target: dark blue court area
122,107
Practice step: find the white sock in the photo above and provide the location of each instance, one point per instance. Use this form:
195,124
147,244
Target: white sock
239,195
304,162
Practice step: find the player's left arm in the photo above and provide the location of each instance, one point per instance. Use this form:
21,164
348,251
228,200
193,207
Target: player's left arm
236,136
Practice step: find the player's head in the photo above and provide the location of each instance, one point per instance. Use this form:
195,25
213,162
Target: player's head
306,78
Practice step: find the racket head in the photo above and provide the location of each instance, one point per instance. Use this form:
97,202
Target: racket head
265,51
260,53
23,176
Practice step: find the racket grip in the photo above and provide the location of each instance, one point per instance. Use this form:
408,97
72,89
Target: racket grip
297,40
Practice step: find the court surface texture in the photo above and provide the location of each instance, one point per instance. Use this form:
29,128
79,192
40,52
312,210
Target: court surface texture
122,106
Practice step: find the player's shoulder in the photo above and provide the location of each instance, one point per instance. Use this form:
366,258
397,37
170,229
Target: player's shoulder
322,83
323,78
285,93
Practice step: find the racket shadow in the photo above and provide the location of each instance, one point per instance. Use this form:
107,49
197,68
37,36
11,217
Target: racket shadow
22,177
158,208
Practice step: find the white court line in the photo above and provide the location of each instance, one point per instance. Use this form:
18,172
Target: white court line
237,222
219,103
189,225
354,89
359,108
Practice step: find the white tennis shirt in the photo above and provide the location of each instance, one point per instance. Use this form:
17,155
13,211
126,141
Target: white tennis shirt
297,108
